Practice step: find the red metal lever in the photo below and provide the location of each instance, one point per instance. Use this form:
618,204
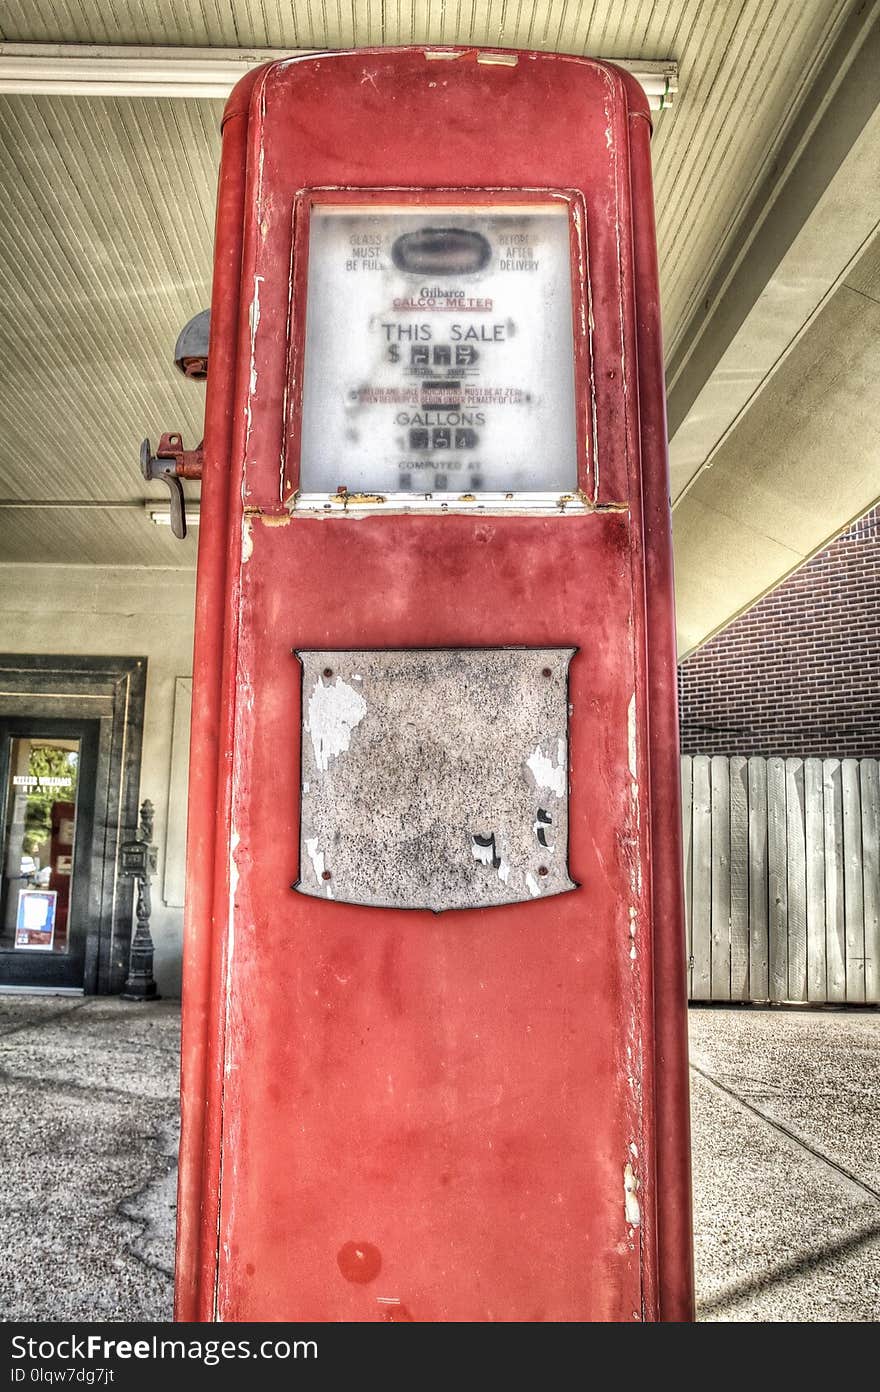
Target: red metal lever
170,464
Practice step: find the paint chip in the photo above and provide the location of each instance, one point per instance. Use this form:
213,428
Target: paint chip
631,1203
549,776
631,736
335,708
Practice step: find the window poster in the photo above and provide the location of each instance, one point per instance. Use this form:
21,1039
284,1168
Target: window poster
35,922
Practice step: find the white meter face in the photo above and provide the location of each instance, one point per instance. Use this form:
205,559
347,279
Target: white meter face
439,351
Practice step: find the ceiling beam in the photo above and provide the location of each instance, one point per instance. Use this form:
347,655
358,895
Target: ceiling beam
773,386
96,70
810,219
801,465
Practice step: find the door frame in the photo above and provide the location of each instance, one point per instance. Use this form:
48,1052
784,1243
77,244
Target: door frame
110,692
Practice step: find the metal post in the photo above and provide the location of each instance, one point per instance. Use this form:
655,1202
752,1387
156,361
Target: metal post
139,863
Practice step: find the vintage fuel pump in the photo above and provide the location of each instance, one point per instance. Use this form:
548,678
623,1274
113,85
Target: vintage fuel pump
434,1002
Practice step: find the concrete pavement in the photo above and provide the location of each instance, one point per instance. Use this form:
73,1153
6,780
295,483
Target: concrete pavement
88,1098
786,1118
786,1145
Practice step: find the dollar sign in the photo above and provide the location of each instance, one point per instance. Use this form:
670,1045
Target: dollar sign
394,353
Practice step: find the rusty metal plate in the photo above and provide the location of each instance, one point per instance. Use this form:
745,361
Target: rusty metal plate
435,778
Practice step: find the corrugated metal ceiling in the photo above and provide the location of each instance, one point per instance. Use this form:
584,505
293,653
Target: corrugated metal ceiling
107,206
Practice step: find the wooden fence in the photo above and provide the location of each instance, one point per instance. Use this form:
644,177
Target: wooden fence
782,878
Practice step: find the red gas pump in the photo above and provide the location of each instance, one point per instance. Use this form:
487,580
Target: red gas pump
434,1060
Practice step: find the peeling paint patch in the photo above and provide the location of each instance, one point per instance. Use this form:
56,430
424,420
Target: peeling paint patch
316,856
483,849
549,777
233,868
233,889
533,886
335,708
247,540
631,1203
359,505
631,734
255,324
541,826
255,306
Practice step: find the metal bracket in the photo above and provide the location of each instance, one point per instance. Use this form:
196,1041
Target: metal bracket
170,464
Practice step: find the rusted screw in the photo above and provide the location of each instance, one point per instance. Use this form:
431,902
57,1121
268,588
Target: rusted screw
542,870
328,671
325,875
547,672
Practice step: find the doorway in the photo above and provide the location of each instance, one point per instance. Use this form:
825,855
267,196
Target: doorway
47,787
70,742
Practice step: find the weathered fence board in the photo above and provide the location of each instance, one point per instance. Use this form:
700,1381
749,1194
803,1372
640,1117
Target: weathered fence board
759,939
814,805
796,880
870,790
701,899
719,779
853,888
777,879
835,954
782,878
739,879
687,821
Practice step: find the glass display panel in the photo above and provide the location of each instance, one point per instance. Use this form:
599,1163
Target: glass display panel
439,353
39,820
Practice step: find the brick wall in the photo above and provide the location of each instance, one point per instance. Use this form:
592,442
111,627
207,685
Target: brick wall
799,674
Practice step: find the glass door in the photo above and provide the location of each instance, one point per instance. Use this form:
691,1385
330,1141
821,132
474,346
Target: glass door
47,796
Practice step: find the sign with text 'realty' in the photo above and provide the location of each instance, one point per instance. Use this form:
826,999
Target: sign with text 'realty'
439,350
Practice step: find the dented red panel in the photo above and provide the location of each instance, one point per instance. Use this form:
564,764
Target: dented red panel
391,1113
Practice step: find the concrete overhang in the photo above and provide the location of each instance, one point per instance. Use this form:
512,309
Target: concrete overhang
774,386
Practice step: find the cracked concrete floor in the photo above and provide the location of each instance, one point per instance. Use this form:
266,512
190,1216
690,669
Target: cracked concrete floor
785,1108
786,1132
88,1154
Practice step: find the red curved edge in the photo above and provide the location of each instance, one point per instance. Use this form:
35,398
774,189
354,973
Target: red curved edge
636,100
238,102
239,99
199,937
674,1219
